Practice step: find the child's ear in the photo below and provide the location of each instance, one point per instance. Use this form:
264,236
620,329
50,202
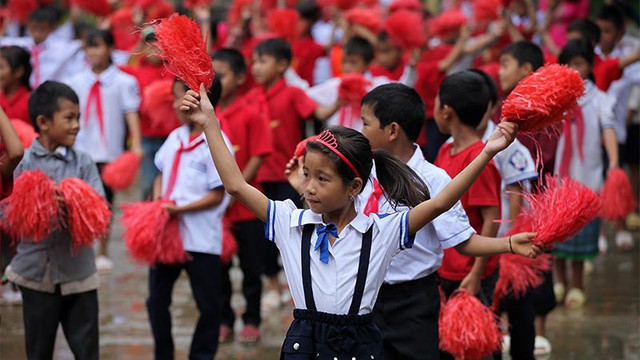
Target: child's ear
356,186
447,112
240,79
43,122
19,72
393,131
526,69
282,65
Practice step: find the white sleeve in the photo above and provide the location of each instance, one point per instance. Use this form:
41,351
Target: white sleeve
278,225
409,76
161,154
517,164
326,93
130,94
394,228
606,106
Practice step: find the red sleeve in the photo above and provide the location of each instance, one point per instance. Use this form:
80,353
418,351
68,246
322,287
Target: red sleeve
259,134
486,190
303,104
606,72
428,81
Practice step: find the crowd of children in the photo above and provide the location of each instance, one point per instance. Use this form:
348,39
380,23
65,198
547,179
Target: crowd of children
422,160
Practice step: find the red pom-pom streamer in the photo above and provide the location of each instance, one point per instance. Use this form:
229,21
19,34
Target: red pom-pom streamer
353,87
559,211
468,328
518,275
31,211
448,22
370,19
20,9
403,26
618,199
121,173
486,10
544,98
151,235
284,23
411,5
229,244
301,148
184,49
157,105
97,7
88,214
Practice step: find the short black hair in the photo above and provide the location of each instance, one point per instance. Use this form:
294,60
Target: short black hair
45,100
46,14
587,29
574,48
277,48
398,103
309,11
95,36
613,14
491,85
213,93
525,52
18,57
361,47
233,58
467,94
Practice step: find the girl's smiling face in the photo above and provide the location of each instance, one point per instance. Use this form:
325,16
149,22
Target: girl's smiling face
324,189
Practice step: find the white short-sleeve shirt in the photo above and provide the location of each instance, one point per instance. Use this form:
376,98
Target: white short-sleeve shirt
446,231
120,94
201,231
333,283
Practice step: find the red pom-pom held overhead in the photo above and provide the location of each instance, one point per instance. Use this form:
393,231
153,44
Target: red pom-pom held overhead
284,23
184,49
370,19
405,28
544,98
121,173
468,328
447,23
20,9
353,87
618,199
96,7
486,10
410,5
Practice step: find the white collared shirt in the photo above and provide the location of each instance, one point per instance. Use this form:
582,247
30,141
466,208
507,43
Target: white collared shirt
201,231
333,283
120,95
447,230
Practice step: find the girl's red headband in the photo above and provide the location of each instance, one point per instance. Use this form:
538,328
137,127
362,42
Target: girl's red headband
327,139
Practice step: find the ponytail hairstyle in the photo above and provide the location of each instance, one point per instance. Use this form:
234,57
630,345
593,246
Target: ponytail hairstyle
401,184
17,58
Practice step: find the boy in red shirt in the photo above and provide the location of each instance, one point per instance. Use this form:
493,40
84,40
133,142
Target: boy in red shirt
250,136
459,107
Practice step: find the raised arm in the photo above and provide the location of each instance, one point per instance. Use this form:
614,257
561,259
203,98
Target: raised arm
203,114
430,209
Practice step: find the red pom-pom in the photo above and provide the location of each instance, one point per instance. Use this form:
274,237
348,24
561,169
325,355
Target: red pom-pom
157,104
229,244
235,12
150,234
543,98
184,49
160,10
468,329
88,214
448,22
618,199
486,10
403,26
121,172
301,148
411,5
123,29
20,9
559,211
284,23
353,87
97,7
370,19
346,4
518,275
31,211
192,4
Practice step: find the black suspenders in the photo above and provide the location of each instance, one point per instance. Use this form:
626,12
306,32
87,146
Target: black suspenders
363,268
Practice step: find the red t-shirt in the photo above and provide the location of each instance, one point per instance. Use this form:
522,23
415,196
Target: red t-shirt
428,81
250,136
394,74
285,108
16,106
305,53
485,191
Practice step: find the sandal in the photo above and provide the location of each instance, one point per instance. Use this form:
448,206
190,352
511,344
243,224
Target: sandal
575,298
542,346
250,334
225,335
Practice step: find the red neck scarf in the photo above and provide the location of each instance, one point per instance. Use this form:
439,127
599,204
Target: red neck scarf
36,50
264,95
95,96
567,151
374,199
173,176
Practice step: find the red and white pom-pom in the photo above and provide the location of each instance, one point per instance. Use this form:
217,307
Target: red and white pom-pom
519,275
370,19
447,23
192,4
229,244
184,49
88,214
410,5
157,105
96,7
31,212
121,172
353,87
486,10
284,23
403,27
543,98
618,199
557,213
20,9
468,329
301,148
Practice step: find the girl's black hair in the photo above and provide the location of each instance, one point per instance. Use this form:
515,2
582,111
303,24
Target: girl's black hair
18,57
577,48
401,184
95,36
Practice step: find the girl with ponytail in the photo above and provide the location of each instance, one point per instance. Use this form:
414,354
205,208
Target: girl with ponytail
335,258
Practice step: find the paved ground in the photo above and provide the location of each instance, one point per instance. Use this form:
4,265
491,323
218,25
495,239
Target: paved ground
607,328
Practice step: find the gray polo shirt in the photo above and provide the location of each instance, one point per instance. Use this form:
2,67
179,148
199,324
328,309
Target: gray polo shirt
51,262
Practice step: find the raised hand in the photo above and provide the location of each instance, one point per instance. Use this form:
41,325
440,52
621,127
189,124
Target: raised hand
501,138
199,108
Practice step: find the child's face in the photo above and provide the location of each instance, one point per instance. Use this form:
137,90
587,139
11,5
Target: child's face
63,128
228,79
388,55
266,69
580,64
324,189
371,129
98,55
354,64
179,90
9,77
151,53
510,72
609,35
39,30
441,115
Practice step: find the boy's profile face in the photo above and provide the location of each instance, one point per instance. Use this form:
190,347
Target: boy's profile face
372,130
228,79
98,54
64,125
441,116
609,35
39,30
511,72
388,55
354,64
266,69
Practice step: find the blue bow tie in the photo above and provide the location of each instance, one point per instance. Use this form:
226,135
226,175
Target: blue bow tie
323,240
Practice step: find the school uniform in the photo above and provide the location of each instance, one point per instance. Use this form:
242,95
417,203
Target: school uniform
16,106
250,136
333,297
188,175
408,305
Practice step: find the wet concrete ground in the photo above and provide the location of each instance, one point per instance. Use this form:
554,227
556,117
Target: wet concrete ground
608,327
